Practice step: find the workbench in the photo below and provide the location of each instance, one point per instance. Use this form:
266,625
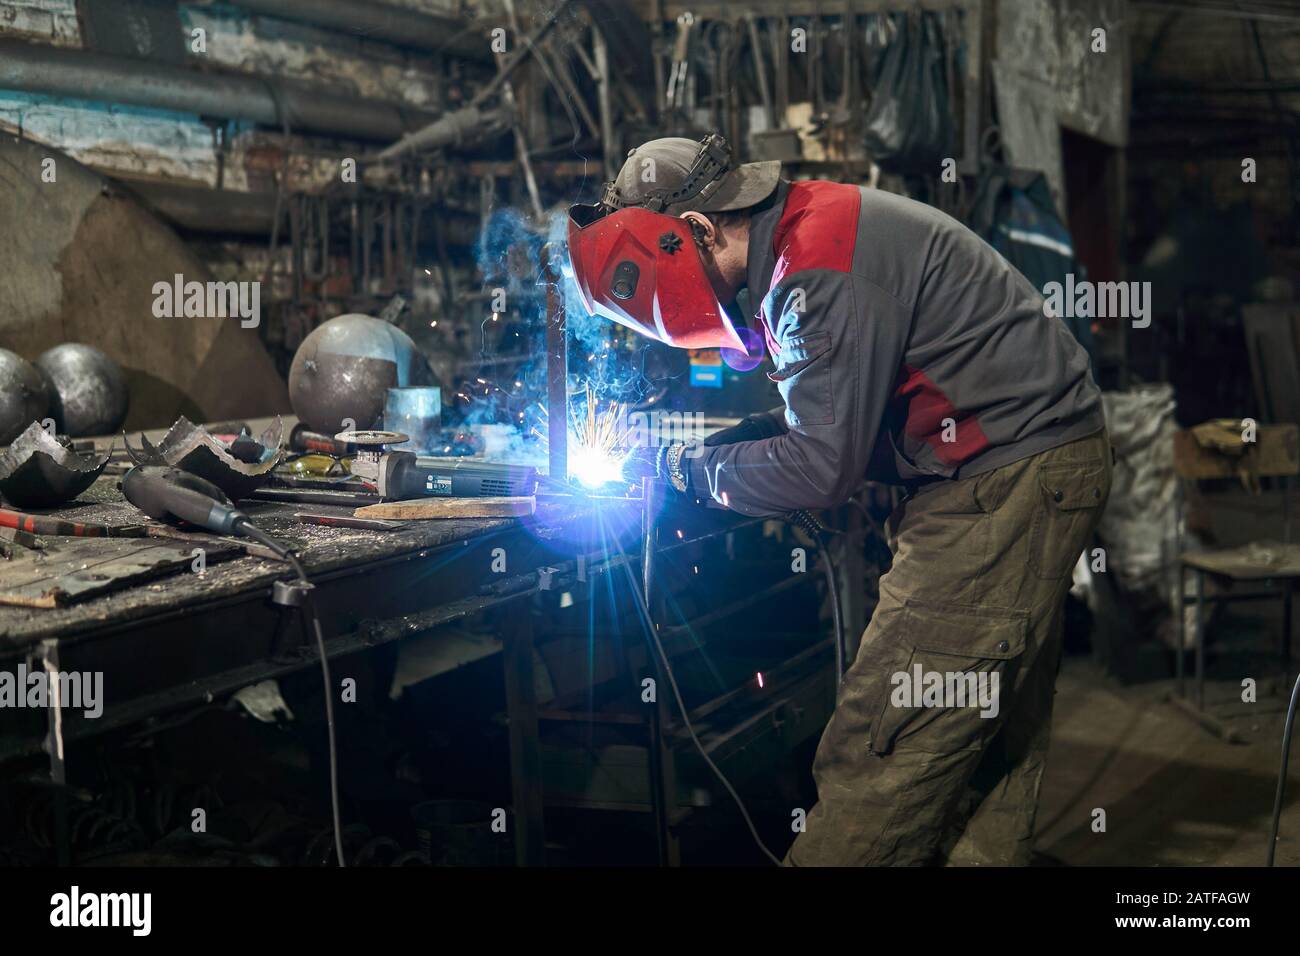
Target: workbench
171,644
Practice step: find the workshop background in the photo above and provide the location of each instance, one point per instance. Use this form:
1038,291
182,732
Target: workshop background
234,231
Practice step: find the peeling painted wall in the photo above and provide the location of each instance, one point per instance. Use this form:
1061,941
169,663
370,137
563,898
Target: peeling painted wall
127,140
48,21
276,48
137,142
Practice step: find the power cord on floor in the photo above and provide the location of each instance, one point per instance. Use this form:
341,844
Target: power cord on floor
819,533
302,595
686,717
1281,773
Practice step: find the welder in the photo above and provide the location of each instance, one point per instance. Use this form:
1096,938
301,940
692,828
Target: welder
908,351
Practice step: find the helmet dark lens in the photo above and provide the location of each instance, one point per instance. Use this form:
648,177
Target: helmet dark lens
583,216
625,276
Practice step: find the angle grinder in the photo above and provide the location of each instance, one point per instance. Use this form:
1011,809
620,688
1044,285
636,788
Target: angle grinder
402,475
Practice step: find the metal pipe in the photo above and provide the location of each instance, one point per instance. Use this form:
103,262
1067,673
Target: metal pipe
451,129
380,21
227,211
557,365
264,100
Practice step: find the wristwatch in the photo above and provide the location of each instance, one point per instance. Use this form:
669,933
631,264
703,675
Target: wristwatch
673,465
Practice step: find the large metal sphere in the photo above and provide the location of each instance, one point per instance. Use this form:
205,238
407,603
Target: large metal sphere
88,390
24,396
343,370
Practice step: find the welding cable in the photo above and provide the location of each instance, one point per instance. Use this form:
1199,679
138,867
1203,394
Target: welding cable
309,608
1281,773
820,534
686,717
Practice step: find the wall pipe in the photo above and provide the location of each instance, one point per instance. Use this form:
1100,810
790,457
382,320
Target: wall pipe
380,21
269,102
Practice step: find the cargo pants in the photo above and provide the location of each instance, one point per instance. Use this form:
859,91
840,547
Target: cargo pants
936,750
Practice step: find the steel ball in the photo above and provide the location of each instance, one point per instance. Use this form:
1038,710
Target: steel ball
24,395
88,392
343,370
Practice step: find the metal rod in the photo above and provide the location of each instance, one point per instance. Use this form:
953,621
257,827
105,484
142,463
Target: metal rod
557,365
1200,640
55,748
606,109
659,790
1180,608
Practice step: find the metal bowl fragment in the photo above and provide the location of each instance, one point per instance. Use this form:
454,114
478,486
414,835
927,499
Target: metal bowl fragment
39,471
238,468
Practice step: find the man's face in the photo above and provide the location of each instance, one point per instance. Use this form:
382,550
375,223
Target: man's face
723,252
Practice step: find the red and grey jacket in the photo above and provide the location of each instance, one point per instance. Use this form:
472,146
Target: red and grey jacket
906,349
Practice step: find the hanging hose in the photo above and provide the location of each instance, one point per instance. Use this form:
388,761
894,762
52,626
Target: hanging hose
820,534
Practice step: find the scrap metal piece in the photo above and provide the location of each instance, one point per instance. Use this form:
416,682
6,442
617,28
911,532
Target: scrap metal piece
238,468
39,471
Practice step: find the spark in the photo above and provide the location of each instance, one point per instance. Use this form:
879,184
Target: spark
760,678
596,442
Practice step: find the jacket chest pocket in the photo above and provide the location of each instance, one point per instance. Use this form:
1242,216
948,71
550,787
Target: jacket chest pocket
803,377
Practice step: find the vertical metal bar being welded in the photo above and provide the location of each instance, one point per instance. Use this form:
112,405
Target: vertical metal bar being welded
557,364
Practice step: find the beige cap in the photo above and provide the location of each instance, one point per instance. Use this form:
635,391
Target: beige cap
661,166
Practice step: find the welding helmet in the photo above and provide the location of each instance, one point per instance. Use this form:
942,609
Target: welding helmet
635,263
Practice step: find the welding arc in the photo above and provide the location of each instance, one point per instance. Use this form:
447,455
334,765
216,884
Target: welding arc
1281,773
686,717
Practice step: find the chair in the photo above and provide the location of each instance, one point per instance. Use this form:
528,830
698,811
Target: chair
1269,567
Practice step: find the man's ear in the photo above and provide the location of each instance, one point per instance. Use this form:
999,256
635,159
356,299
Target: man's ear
706,236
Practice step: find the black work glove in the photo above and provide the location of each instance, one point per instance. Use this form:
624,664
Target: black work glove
750,428
653,463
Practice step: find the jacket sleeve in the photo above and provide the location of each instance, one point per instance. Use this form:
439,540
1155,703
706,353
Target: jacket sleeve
842,341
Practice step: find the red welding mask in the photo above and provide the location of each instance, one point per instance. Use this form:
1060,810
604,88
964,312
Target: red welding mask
641,269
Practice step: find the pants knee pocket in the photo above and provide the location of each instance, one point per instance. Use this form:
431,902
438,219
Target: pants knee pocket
961,665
